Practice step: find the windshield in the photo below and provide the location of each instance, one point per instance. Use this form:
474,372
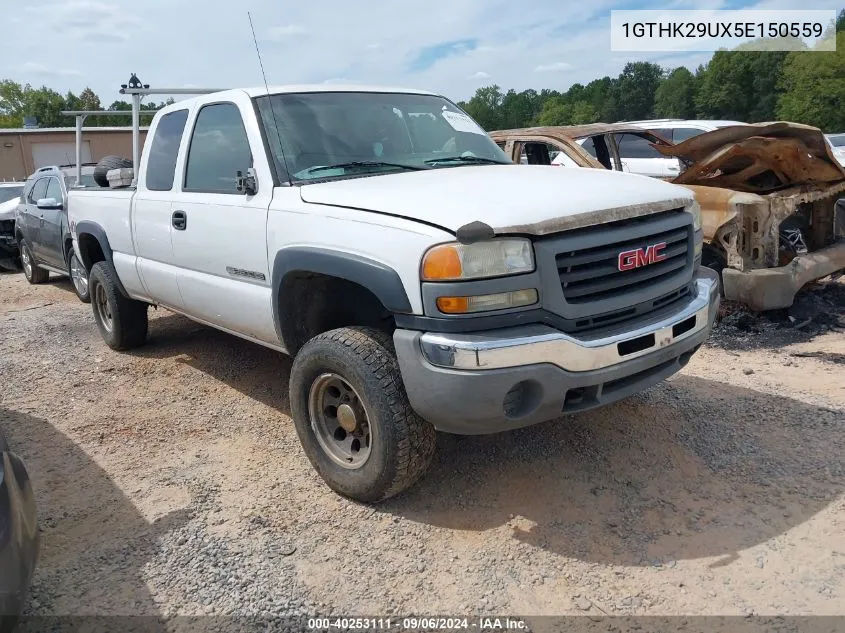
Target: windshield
10,193
343,134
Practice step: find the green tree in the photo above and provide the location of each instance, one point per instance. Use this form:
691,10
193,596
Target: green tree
12,103
583,112
556,111
675,96
813,87
636,87
89,100
744,84
486,107
46,105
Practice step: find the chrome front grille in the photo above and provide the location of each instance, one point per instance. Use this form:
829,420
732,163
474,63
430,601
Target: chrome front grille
593,273
583,285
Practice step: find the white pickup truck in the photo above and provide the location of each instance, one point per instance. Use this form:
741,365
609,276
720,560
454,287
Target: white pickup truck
422,281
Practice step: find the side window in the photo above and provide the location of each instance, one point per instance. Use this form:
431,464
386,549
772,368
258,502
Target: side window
633,146
219,149
589,146
54,190
161,164
679,135
538,153
38,191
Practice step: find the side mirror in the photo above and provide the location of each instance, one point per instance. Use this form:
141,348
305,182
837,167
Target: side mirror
247,184
48,203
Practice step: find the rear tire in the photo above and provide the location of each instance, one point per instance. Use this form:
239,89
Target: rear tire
78,277
356,369
122,321
31,271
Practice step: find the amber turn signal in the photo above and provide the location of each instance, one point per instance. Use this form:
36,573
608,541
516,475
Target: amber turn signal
442,262
482,303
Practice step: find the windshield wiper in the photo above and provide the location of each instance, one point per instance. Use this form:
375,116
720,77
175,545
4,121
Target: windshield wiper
362,163
464,159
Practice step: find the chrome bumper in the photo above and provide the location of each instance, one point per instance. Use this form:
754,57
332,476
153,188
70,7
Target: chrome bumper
530,345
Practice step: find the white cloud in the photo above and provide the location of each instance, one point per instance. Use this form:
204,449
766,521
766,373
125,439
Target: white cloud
173,45
32,68
88,21
556,67
286,31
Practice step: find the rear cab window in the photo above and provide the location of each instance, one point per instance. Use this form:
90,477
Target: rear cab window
161,165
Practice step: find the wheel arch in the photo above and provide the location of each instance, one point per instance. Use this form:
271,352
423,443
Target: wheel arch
94,247
366,291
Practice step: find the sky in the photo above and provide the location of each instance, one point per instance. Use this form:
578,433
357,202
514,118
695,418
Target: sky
451,47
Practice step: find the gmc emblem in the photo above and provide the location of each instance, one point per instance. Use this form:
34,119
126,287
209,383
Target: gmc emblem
628,260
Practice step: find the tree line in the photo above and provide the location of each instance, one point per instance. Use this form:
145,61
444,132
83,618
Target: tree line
741,84
46,105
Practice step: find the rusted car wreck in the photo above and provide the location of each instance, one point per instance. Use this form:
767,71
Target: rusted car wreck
769,194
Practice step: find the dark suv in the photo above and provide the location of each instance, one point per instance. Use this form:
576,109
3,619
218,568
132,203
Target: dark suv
42,230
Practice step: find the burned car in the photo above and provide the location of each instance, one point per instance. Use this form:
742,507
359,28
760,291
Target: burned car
769,196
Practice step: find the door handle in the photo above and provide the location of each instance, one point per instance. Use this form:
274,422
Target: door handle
179,220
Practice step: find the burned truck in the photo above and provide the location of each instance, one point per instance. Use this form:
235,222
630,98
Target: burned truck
769,195
773,207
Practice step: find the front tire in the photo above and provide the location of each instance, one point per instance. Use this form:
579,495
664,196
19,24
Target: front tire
353,417
78,278
31,271
122,321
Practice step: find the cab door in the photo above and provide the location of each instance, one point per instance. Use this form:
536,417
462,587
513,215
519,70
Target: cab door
52,220
30,214
151,209
219,231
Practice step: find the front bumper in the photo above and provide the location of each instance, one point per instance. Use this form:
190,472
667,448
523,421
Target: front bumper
775,288
504,379
9,252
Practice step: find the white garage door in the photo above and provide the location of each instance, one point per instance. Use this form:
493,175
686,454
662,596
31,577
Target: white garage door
45,154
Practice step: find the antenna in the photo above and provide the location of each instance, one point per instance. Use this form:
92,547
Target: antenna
269,102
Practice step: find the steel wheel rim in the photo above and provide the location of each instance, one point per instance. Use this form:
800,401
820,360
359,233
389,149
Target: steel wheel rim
27,262
77,275
103,309
340,421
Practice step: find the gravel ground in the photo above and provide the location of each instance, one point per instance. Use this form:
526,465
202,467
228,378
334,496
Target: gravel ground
170,481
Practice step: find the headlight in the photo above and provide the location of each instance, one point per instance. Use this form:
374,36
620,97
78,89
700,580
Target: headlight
493,258
695,209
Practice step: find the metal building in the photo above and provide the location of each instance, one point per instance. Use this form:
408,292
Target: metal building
23,150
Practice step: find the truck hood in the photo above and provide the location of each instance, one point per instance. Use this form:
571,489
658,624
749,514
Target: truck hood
523,199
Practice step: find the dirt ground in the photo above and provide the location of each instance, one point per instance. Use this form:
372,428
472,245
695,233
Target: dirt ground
170,481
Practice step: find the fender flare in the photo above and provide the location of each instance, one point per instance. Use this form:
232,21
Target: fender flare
99,234
378,278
